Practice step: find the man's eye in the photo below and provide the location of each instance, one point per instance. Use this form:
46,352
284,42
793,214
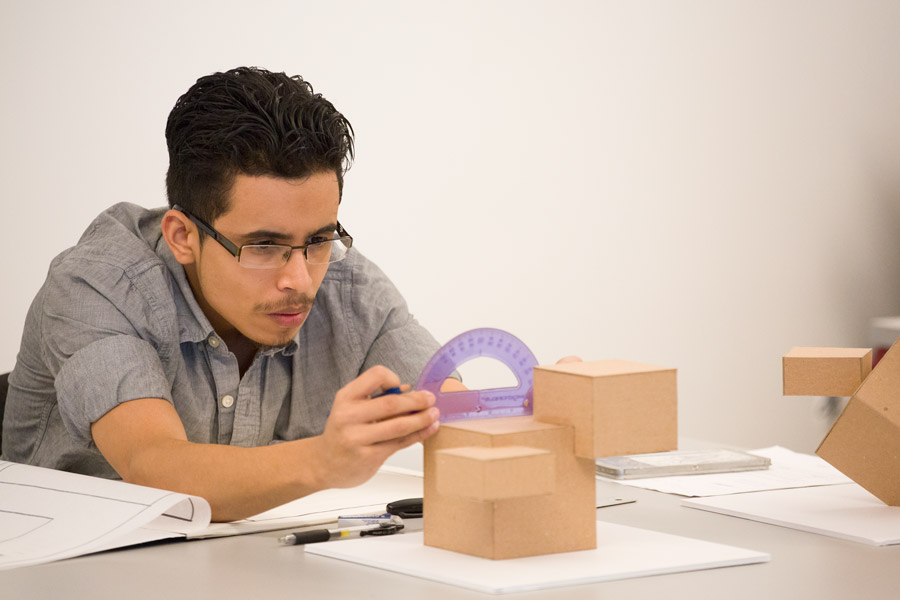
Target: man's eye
318,239
263,249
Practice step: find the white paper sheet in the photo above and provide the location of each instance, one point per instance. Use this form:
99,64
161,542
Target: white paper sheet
48,515
388,484
622,552
845,511
788,470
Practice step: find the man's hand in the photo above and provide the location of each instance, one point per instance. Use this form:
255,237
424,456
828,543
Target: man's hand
569,359
363,431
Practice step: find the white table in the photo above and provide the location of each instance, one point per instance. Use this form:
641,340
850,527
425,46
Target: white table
803,565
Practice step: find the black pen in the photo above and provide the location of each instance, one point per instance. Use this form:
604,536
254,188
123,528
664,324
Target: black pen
323,535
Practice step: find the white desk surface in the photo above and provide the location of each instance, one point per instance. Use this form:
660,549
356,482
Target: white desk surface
803,565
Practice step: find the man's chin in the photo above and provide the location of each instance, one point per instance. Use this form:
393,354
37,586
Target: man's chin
278,341
273,339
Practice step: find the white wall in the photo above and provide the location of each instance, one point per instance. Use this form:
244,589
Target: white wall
693,184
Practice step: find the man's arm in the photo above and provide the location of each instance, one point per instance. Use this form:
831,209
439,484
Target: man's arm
145,442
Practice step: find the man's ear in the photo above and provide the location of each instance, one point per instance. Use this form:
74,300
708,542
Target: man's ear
181,236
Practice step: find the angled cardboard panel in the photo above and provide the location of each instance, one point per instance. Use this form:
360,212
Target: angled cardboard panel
864,442
865,446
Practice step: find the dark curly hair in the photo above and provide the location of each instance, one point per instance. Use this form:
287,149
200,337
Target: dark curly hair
253,122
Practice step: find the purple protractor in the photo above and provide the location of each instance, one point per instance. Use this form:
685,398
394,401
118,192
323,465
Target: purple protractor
481,404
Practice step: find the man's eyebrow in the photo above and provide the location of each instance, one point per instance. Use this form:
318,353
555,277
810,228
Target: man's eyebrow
330,228
266,233
281,236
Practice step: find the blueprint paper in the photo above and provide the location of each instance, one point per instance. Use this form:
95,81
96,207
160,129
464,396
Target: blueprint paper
48,515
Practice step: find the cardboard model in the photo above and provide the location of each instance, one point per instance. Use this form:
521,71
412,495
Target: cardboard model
825,371
617,407
864,442
523,486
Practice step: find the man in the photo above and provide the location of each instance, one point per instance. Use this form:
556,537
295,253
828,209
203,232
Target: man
165,347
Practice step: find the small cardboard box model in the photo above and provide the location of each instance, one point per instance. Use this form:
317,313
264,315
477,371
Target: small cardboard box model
825,371
512,487
864,442
617,407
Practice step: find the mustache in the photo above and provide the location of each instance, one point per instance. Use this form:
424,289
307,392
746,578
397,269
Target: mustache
302,301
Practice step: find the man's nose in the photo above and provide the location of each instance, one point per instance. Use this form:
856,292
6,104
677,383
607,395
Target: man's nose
294,275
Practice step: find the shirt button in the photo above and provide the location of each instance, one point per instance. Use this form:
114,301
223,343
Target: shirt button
227,401
214,342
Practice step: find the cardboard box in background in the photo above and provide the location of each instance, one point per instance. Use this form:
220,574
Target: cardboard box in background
617,407
825,371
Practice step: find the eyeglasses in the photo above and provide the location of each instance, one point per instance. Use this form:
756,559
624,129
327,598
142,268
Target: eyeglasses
273,256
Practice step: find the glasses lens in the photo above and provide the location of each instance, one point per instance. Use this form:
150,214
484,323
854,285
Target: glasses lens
327,252
273,256
268,256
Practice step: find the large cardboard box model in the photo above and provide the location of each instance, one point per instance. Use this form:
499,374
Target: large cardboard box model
864,442
825,371
617,407
507,488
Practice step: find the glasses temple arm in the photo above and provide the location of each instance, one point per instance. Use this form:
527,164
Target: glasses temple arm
226,243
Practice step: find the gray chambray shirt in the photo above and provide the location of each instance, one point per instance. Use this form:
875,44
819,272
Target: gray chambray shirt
116,320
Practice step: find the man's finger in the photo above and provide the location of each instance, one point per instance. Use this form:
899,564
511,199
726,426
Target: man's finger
397,427
371,382
412,438
569,359
392,405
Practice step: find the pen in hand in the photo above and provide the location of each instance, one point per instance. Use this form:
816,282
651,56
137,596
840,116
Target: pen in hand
393,390
323,535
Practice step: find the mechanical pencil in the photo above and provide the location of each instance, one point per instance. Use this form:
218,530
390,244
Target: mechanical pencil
323,535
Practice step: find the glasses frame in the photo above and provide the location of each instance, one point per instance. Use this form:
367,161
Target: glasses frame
235,250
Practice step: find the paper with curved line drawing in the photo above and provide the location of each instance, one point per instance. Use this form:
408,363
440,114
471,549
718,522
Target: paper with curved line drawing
48,515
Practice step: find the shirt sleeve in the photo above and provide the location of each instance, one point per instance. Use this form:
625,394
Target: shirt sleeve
97,332
400,343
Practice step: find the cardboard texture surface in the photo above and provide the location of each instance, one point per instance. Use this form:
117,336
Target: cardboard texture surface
617,407
864,442
825,371
481,473
561,521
